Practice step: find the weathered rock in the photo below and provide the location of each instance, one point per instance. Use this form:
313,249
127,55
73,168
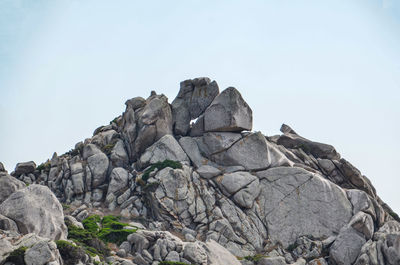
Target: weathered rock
216,254
193,99
119,156
295,202
25,168
2,169
272,261
118,180
215,142
243,186
194,252
42,253
165,148
319,150
228,112
189,145
347,246
391,248
98,165
35,209
8,185
253,152
90,150
208,172
8,224
363,223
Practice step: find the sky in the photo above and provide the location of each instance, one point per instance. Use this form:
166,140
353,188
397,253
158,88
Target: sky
329,69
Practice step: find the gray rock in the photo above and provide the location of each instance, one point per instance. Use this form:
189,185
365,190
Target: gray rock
35,209
173,256
193,98
197,128
216,254
272,261
98,165
215,142
194,252
121,253
319,261
90,150
25,168
363,223
165,148
118,180
119,156
42,253
8,224
361,202
253,152
391,249
208,172
318,150
136,103
347,246
228,112
138,241
295,202
9,185
2,169
77,181
189,145
72,220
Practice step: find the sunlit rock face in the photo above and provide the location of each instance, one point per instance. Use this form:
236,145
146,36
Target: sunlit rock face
204,189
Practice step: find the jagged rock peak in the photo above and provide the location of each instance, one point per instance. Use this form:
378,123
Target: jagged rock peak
205,189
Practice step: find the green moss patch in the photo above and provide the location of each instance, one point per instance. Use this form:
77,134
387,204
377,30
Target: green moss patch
17,256
70,254
97,232
159,166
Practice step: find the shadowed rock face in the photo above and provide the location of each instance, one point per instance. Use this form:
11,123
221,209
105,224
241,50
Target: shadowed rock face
227,192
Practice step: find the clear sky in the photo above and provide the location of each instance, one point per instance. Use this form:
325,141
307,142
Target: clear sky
329,69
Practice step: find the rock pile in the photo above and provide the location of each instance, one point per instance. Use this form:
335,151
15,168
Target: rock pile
206,189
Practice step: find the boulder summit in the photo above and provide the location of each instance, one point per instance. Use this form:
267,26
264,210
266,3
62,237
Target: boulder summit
189,182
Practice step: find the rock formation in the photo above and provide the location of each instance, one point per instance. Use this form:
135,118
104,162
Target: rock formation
201,188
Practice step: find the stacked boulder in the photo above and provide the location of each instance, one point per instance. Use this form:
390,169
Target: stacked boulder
196,166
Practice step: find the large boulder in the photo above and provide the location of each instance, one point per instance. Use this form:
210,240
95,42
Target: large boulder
25,168
165,148
35,209
144,122
98,165
118,180
346,247
295,202
8,185
193,98
228,112
253,152
217,254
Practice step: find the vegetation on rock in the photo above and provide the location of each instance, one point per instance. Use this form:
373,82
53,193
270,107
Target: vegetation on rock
70,254
17,256
159,166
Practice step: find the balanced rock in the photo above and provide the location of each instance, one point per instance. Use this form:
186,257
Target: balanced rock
193,98
25,168
35,209
228,113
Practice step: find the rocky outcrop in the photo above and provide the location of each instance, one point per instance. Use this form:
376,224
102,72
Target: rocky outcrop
225,194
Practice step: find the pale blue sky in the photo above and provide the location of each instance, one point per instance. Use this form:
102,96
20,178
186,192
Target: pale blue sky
330,69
